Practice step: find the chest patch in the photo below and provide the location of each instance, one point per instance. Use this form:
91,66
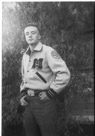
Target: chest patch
37,63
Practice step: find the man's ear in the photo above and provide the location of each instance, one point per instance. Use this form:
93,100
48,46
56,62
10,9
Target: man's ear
39,36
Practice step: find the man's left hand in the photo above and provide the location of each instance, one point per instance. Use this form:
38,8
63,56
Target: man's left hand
43,96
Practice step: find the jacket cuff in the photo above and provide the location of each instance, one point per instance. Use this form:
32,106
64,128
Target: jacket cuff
51,93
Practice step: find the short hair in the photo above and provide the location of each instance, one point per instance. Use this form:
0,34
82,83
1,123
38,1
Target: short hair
38,25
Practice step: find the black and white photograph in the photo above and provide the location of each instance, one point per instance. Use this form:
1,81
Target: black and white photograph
47,84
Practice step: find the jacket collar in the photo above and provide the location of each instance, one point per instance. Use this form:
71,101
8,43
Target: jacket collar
37,48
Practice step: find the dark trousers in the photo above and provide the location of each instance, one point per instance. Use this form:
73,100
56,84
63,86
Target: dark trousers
40,118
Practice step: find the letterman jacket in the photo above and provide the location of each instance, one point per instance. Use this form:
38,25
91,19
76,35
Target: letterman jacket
44,69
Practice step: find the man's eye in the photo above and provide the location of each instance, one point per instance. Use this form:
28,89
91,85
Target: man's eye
33,32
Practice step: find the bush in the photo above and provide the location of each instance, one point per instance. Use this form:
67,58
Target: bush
9,105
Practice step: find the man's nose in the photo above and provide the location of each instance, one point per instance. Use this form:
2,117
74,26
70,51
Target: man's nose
30,35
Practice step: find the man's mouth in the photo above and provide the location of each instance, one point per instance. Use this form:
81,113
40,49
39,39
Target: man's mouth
30,39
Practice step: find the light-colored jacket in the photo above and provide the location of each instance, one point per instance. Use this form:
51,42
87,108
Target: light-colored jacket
44,69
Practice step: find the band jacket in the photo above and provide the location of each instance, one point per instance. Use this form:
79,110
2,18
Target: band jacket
43,69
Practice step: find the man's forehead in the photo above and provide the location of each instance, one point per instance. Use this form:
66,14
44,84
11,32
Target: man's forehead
30,28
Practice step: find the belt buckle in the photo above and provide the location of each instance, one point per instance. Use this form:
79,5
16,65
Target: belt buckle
31,93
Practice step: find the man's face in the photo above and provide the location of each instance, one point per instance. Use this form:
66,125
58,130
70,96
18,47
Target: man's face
32,35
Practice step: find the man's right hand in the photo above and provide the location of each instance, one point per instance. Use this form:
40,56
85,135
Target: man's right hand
23,101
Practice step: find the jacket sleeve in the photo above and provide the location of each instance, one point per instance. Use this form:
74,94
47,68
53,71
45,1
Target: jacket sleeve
60,70
22,88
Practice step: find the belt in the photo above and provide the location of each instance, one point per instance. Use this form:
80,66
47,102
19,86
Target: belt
33,92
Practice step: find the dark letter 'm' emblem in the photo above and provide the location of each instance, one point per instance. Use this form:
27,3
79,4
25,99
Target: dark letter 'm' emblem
37,63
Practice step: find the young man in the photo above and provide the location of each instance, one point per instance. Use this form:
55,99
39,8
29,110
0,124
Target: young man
44,76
